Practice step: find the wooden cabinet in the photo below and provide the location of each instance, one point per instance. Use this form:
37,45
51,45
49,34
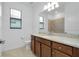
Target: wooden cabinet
56,53
42,47
43,41
63,48
46,48
75,52
37,48
45,51
32,44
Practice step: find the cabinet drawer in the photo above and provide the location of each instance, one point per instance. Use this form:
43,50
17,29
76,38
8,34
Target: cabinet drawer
56,53
44,41
63,48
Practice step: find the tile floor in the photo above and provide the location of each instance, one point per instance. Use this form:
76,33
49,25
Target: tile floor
19,52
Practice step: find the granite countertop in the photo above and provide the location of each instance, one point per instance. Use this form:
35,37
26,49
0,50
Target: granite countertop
74,42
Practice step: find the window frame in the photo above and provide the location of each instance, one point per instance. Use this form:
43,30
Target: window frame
42,23
20,19
16,27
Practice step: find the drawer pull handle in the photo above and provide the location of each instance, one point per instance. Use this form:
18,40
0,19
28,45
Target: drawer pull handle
59,47
53,53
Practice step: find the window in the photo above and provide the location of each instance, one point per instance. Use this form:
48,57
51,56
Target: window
15,19
41,23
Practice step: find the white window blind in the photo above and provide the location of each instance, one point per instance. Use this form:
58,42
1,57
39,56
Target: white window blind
41,19
15,13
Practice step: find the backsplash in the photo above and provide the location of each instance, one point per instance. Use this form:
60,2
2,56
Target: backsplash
66,35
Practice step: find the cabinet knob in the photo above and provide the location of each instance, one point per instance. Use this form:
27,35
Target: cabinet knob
59,47
52,52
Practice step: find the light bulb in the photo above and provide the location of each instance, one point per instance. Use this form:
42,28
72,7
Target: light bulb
56,5
52,4
52,7
49,5
45,7
49,9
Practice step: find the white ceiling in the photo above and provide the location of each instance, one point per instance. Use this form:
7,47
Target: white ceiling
38,3
30,3
33,4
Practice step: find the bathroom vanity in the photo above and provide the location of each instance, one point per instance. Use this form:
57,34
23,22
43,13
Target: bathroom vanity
54,46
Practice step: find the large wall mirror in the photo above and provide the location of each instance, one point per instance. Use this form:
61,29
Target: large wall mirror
62,19
54,19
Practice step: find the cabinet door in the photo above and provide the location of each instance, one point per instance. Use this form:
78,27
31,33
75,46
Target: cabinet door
37,48
56,53
75,52
32,44
45,51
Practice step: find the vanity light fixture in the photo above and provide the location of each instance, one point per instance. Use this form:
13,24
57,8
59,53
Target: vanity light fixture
49,9
56,5
51,6
45,7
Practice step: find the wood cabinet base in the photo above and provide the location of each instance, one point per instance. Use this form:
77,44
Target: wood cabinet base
46,48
